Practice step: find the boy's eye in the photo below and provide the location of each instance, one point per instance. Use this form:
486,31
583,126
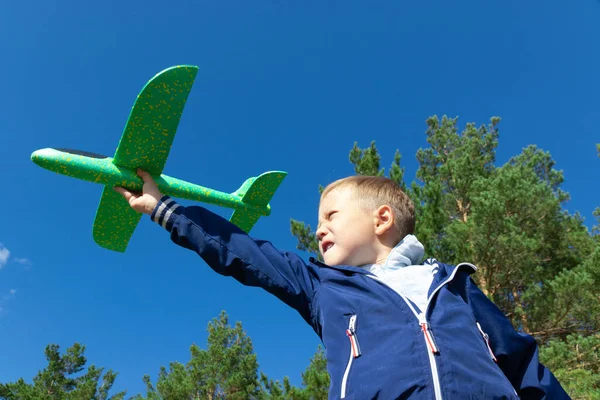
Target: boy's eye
331,214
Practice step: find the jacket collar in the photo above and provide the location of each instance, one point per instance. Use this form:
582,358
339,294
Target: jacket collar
346,268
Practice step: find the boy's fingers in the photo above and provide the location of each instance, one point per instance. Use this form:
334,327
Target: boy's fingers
124,192
144,175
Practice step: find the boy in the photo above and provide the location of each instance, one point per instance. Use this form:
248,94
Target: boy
391,328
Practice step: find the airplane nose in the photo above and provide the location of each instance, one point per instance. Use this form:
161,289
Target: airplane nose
39,156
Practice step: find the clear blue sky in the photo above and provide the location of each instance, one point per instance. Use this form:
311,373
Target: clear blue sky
281,86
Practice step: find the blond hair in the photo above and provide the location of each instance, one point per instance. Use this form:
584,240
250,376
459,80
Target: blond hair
375,191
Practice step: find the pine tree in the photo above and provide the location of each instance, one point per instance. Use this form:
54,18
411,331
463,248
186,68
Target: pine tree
227,369
61,379
315,382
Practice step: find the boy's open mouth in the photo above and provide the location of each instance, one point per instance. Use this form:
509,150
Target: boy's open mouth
326,246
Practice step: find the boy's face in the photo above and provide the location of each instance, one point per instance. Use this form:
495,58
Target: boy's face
346,231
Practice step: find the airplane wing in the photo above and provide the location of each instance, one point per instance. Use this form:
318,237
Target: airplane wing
145,143
153,121
115,221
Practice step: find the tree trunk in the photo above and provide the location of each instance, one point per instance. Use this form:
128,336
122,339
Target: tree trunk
523,317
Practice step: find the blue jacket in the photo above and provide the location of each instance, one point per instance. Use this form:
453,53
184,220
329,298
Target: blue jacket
379,345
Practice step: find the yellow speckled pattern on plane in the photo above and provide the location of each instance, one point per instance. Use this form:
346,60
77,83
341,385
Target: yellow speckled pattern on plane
115,221
145,143
152,124
256,191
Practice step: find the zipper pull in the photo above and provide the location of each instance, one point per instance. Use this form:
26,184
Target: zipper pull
351,333
427,334
486,337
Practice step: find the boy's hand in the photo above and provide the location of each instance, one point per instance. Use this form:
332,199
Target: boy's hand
146,201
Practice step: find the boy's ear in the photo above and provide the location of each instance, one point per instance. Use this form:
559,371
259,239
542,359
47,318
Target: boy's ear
383,219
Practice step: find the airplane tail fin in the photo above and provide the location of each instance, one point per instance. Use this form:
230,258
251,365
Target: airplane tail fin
256,191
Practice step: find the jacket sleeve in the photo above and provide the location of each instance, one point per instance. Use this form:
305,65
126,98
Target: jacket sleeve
229,251
516,352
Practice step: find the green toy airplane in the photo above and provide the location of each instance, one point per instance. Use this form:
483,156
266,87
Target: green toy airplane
145,144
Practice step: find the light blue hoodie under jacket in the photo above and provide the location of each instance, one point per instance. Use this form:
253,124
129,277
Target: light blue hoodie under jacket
394,331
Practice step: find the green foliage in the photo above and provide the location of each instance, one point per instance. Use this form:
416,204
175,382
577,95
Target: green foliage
596,228
315,382
316,379
366,161
62,379
537,262
226,370
449,169
575,363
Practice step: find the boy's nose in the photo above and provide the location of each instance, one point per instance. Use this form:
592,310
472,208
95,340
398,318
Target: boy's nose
320,233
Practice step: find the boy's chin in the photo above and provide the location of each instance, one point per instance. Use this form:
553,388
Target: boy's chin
337,261
333,261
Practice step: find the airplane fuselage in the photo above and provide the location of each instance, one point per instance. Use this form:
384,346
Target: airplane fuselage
100,169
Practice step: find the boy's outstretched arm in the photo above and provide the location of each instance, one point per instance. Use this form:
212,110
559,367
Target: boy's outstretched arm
517,353
230,251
